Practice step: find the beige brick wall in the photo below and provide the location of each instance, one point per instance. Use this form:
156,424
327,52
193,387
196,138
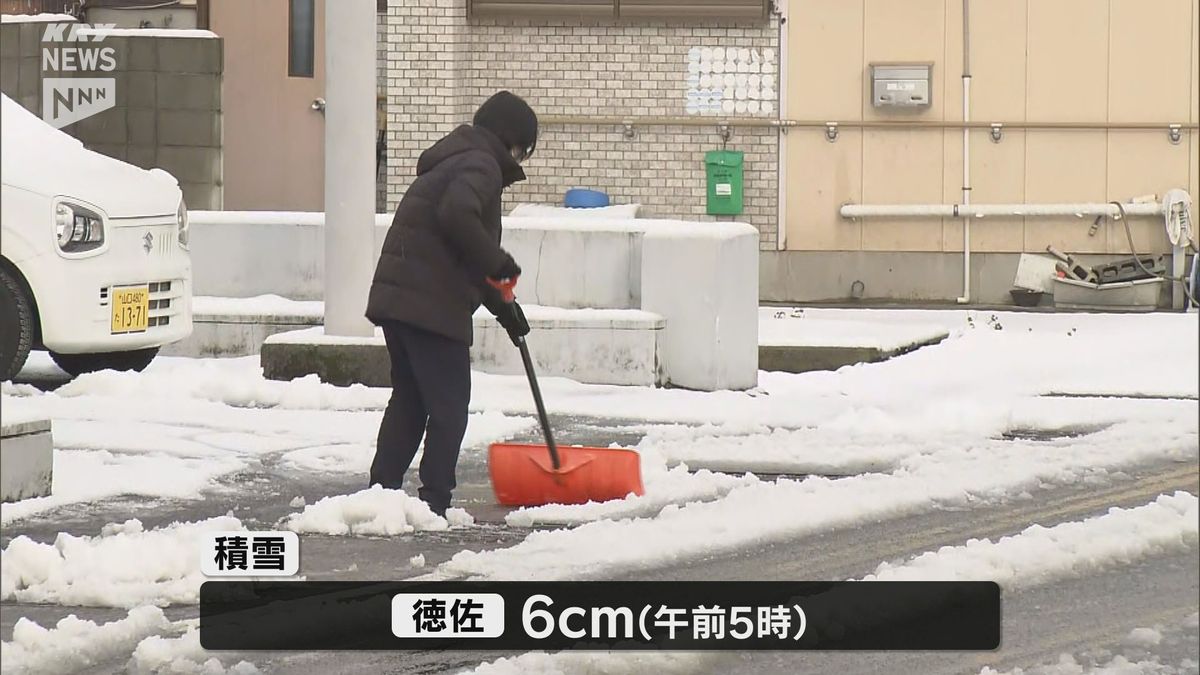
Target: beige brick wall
441,66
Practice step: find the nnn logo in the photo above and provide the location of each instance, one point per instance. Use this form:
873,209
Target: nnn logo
69,49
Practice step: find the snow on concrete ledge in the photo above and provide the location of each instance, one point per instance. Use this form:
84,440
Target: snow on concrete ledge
26,452
317,336
146,32
267,307
551,211
37,18
665,267
779,326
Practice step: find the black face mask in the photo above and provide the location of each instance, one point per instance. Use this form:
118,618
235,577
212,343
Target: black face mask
523,153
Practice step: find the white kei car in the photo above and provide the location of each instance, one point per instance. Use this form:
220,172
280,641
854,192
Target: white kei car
94,265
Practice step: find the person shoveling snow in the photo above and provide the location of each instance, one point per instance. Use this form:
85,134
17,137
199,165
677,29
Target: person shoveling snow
442,247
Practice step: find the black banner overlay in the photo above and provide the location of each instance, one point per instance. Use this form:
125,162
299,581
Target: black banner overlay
600,615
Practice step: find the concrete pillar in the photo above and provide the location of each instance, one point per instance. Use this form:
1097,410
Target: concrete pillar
349,165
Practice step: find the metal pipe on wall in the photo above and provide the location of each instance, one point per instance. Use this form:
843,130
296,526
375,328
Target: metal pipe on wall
968,211
966,150
781,160
715,121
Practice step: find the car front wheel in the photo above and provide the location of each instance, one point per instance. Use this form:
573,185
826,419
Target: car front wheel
16,326
77,364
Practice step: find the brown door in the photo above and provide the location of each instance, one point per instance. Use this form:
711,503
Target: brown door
274,141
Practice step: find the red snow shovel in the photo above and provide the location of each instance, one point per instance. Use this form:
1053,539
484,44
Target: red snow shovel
525,474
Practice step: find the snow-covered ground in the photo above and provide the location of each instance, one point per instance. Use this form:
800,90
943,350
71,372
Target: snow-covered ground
838,328
1008,405
1036,556
174,430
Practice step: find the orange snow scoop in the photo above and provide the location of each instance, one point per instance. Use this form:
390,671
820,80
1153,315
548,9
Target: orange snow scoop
525,474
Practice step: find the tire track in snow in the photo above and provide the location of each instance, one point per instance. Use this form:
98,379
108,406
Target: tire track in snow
1035,556
765,512
843,554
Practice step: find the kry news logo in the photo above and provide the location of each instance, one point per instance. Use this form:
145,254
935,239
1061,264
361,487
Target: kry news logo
74,48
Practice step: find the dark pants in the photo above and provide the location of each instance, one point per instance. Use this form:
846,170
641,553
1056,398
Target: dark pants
431,388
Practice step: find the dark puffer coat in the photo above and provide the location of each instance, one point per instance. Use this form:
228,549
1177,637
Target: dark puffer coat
445,238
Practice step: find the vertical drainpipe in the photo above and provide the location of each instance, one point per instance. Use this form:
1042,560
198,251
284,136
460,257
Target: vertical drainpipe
781,148
966,158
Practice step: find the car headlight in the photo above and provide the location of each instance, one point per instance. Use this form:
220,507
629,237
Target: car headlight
77,228
181,218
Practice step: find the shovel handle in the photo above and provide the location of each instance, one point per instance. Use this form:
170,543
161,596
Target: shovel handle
506,286
537,400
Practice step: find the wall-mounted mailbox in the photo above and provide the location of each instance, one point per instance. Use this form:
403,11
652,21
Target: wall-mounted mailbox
900,85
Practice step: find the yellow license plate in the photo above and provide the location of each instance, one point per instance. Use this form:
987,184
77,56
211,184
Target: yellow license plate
130,309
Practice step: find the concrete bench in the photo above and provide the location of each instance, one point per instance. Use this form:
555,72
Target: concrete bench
600,346
26,456
693,287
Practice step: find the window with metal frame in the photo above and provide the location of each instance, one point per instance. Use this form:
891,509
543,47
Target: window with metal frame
544,8
301,35
694,9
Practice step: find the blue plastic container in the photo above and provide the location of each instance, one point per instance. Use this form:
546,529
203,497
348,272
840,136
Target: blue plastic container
582,198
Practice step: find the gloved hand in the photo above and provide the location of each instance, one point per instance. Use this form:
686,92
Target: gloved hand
509,270
513,320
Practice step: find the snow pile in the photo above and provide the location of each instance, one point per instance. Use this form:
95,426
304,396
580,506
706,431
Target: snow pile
1145,637
259,305
762,512
101,33
75,644
761,449
802,328
374,511
183,654
44,17
602,663
1039,555
88,475
1119,665
17,409
125,566
617,211
235,382
676,486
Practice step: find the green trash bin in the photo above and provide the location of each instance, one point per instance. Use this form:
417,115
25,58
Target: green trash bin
724,170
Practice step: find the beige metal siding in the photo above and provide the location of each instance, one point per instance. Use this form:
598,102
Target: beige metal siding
825,80
1064,166
1194,115
1068,61
904,166
829,175
1067,65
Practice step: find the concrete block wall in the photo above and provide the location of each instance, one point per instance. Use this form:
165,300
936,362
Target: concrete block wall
168,103
21,63
442,65
168,112
705,325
